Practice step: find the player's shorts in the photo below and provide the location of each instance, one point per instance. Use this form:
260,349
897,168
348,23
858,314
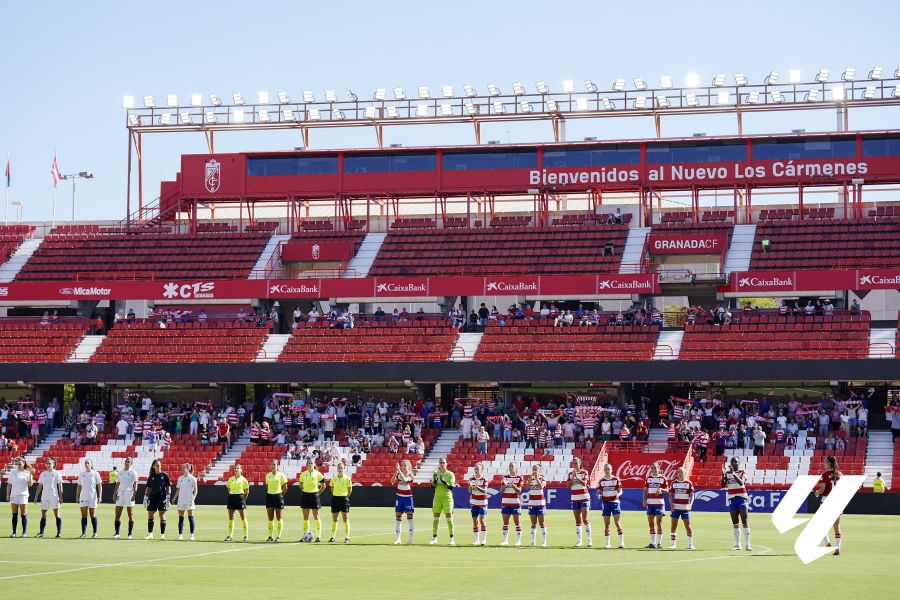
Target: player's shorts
49,504
510,510
683,514
340,504
536,510
19,499
157,502
88,503
656,510
125,500
479,511
236,502
274,501
611,508
187,504
737,504
404,504
581,504
310,500
442,504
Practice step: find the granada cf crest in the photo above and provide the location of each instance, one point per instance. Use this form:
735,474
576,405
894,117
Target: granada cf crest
315,252
213,176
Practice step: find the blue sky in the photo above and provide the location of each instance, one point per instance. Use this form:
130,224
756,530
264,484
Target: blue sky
68,64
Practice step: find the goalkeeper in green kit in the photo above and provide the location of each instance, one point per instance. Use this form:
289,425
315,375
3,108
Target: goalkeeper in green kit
442,481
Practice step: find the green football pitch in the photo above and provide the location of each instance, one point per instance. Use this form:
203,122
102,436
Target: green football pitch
372,567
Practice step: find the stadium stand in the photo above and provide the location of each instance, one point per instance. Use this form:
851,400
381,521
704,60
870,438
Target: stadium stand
772,336
500,250
554,461
389,341
824,243
216,340
11,236
541,340
31,340
110,254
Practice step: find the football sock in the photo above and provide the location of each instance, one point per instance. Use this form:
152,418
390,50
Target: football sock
24,524
94,524
130,527
58,525
162,527
737,536
180,525
246,527
43,524
746,536
305,525
318,528
117,525
411,529
280,526
83,525
230,527
333,528
270,525
837,540
15,522
149,525
397,527
450,525
434,527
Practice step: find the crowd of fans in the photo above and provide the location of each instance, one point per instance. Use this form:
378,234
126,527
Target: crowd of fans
552,313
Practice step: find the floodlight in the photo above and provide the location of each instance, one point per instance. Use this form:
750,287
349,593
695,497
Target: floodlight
526,106
210,118
589,85
665,82
640,102
391,112
165,119
518,88
753,97
399,94
619,85
662,102
283,98
794,76
313,114
186,119
424,92
237,116
339,115
493,90
127,101
422,110
718,80
471,109
446,110
542,87
869,93
263,97
837,93
581,104
447,91
308,96
379,94
262,116
288,115
196,99
691,100
469,90
351,96
740,79
148,102
499,109
171,100
370,112
330,96
238,98
608,104
777,97
897,91
876,72
849,74
772,78
723,98
823,75
812,95
552,105
692,80
568,86
639,84
134,120
215,100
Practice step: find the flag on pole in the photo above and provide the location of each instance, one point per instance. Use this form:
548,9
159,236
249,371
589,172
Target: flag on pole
54,172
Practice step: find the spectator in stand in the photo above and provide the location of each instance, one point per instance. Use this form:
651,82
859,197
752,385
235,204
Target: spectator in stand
483,437
122,428
605,429
313,315
855,307
564,320
759,441
483,315
91,434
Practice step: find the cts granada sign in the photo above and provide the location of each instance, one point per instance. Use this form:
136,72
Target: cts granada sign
199,290
687,244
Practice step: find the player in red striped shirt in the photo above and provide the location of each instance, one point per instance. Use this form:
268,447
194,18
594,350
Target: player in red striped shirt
478,498
610,490
823,488
579,486
537,504
654,501
511,504
681,498
733,480
403,478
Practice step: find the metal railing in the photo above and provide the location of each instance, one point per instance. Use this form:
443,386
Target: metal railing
887,345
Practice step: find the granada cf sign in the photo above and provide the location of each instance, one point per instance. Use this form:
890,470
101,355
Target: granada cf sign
688,243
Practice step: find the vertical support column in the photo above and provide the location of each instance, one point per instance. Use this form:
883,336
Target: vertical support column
140,165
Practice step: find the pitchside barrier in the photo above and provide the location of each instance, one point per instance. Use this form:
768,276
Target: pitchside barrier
557,499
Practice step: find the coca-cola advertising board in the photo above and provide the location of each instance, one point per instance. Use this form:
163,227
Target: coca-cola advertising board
632,468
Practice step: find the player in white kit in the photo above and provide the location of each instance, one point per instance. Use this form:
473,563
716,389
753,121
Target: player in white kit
124,495
18,482
579,484
478,491
681,498
49,493
537,504
511,503
185,497
89,493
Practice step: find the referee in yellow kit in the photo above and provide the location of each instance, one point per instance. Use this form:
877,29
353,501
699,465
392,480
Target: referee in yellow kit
276,486
341,488
312,483
238,490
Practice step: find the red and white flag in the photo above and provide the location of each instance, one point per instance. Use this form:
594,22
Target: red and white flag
54,172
